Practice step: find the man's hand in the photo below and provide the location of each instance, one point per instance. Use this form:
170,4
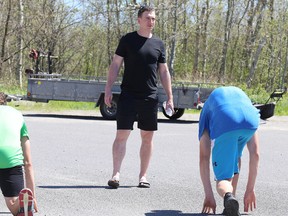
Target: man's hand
108,97
170,105
249,201
209,205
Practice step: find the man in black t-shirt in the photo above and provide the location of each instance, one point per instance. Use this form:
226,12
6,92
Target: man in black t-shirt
144,56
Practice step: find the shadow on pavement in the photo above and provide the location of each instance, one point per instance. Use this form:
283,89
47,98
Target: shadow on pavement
173,213
177,213
80,187
178,121
65,116
82,117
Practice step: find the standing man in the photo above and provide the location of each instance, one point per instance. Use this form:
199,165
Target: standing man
14,154
228,121
143,55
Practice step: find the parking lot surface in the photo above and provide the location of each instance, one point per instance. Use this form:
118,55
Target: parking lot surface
73,162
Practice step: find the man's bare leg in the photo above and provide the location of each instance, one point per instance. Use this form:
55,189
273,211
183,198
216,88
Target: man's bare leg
145,152
236,178
12,204
224,186
119,150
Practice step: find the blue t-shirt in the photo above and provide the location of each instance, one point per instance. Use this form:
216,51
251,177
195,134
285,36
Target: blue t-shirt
227,109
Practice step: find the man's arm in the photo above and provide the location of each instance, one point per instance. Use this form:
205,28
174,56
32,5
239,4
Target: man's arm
165,79
28,167
209,204
111,77
250,197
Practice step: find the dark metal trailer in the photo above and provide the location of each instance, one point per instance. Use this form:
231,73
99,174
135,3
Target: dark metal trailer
267,109
46,87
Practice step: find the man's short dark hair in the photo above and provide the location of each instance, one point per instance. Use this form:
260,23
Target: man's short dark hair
144,8
3,98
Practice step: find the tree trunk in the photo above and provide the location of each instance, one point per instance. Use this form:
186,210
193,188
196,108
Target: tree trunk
227,29
284,73
235,47
197,38
253,33
248,44
255,61
118,19
271,51
20,44
207,12
173,46
109,33
131,16
3,50
184,41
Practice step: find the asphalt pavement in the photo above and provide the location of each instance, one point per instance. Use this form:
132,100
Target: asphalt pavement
73,162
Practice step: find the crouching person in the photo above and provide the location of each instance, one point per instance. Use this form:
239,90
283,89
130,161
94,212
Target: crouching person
15,162
228,122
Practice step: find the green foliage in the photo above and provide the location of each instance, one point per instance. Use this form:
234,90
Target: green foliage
70,105
52,106
260,96
8,88
85,35
282,106
257,95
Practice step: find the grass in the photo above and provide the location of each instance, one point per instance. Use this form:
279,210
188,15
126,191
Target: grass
256,95
52,106
282,107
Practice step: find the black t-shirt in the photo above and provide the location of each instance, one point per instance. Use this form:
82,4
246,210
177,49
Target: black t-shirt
141,57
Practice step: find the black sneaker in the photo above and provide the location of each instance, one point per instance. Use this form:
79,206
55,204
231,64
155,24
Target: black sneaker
231,205
113,183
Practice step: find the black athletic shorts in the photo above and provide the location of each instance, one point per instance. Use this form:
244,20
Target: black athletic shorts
129,109
11,181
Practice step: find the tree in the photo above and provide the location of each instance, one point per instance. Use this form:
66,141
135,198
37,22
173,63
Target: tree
20,43
227,30
233,41
260,8
173,43
4,37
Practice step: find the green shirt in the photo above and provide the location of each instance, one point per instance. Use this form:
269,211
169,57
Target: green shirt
12,129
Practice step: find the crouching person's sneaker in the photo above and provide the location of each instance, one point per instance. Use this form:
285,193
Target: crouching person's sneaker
26,203
231,205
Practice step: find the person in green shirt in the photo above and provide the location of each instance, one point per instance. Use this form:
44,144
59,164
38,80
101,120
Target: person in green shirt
15,160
